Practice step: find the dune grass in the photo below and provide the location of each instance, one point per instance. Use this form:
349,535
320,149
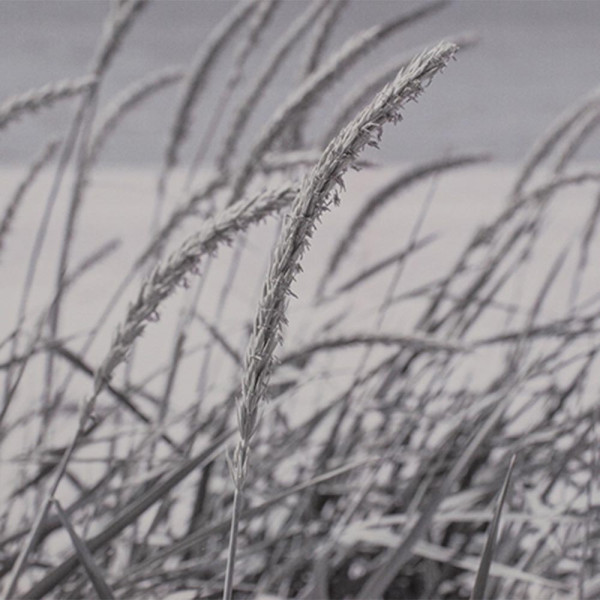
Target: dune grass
206,434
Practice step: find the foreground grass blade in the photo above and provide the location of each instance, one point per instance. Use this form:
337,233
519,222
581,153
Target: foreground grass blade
383,576
85,556
221,527
482,576
129,515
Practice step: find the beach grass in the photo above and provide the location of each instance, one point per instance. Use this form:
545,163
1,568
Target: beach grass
197,404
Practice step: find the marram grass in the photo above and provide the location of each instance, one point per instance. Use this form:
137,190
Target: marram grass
361,446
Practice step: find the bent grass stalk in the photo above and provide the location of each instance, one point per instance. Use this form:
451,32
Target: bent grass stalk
259,22
361,339
328,20
128,100
383,264
195,81
11,210
44,97
358,96
319,190
325,76
272,64
382,197
116,27
63,159
552,137
161,284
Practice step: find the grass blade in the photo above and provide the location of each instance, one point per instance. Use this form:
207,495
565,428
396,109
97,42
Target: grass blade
130,514
85,556
488,552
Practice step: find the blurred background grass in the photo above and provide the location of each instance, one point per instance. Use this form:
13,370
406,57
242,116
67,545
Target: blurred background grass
533,59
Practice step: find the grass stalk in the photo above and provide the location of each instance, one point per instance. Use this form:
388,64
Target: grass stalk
317,193
430,385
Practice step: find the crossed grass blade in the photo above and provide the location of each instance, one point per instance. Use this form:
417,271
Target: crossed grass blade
85,557
483,572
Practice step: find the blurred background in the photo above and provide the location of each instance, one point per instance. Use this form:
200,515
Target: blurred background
535,58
